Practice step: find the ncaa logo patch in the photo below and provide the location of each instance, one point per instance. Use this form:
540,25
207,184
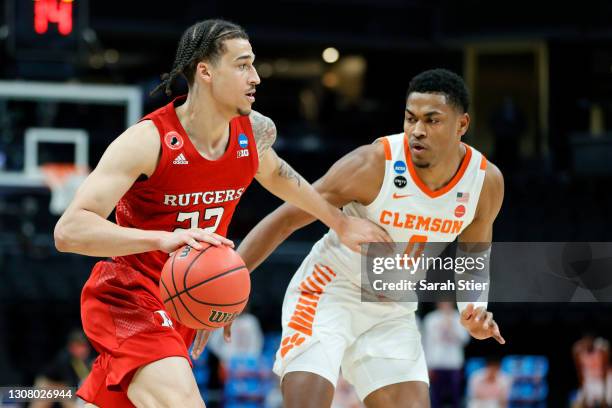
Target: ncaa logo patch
399,167
173,140
243,140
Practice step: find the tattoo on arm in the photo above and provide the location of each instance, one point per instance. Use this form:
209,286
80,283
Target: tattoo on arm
285,170
264,131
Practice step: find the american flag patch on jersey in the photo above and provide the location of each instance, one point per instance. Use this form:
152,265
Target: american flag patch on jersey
463,197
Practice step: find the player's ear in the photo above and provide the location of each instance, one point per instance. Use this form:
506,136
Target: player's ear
464,124
202,71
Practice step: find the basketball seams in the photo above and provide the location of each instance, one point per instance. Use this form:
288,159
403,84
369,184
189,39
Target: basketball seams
217,304
178,316
193,261
179,298
191,301
176,292
186,272
221,274
172,274
192,315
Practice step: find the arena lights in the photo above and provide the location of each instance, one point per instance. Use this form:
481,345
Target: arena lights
330,55
53,11
265,70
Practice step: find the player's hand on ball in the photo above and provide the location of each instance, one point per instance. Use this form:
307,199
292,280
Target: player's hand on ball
355,231
480,324
171,241
199,343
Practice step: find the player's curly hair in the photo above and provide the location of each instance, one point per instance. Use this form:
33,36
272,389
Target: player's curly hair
203,41
444,82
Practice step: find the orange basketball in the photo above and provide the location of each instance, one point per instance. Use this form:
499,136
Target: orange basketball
205,289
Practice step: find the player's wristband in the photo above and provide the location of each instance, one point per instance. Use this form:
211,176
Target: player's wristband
474,274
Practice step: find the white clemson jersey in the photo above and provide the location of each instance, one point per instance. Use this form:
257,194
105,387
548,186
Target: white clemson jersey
407,209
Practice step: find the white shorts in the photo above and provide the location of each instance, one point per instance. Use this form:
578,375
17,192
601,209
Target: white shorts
326,327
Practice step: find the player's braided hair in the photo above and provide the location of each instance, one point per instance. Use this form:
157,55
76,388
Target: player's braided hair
202,41
442,81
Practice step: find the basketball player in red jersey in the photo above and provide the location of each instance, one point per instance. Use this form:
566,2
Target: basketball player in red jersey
175,178
421,185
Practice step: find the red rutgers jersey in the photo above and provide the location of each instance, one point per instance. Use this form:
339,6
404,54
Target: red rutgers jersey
186,190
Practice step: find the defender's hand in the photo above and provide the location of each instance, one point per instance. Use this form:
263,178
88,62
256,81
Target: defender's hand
200,341
354,231
202,338
480,324
227,332
171,241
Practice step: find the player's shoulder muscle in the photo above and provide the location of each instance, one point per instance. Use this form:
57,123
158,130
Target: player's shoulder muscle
264,131
135,151
359,174
492,194
363,159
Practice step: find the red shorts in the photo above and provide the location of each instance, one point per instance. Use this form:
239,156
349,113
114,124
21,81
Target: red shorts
128,325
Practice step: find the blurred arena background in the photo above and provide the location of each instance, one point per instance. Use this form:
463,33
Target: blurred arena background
334,76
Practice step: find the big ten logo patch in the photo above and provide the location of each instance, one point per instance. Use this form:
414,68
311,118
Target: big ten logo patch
162,318
290,342
221,317
242,153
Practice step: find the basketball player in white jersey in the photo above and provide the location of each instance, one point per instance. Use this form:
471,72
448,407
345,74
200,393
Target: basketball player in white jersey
420,185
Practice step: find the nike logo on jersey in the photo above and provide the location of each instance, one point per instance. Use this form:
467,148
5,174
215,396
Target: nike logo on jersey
396,196
180,159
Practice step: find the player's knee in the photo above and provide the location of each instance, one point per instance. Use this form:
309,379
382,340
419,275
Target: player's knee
399,395
302,389
183,398
386,401
139,396
418,403
165,396
420,400
168,382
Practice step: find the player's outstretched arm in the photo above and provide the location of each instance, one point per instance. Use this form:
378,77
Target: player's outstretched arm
280,179
84,228
357,177
475,240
